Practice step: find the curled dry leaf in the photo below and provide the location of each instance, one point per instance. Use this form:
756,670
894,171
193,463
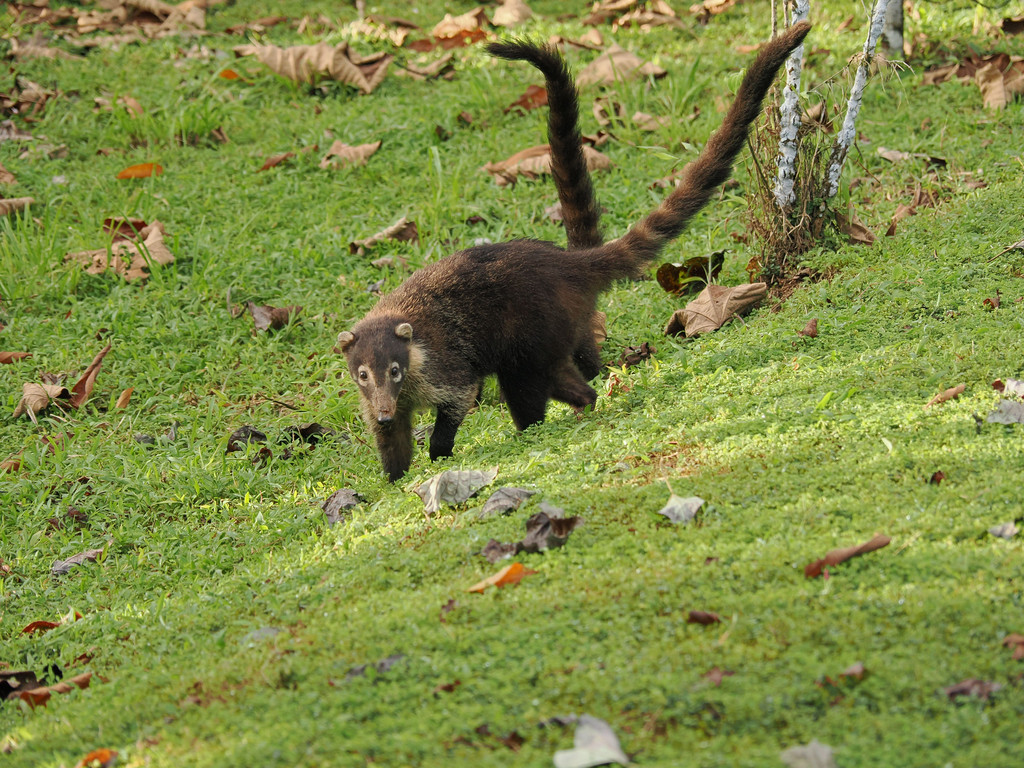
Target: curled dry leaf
8,358
510,574
452,26
37,697
681,510
402,230
547,532
141,171
266,317
810,330
703,617
614,65
691,275
635,355
646,122
1007,412
594,744
535,161
309,63
61,567
495,550
511,12
713,307
453,486
536,96
505,500
937,477
36,397
981,689
608,111
837,556
10,205
950,394
1016,642
242,436
341,154
98,758
39,626
336,505
812,755
716,675
274,161
128,258
83,387
124,398
6,177
855,229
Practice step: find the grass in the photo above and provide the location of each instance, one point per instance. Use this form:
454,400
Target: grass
225,617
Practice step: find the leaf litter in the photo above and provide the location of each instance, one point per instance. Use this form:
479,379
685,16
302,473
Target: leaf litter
547,529
715,306
453,486
837,556
509,575
681,510
594,744
128,255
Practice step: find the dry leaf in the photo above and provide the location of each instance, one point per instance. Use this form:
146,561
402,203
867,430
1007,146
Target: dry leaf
10,205
336,505
810,330
98,758
813,755
39,696
9,358
837,556
1007,412
681,510
453,486
647,122
536,96
308,63
453,26
981,689
713,307
594,744
266,317
124,398
635,355
505,500
1005,530
423,69
993,90
6,177
1016,642
855,229
902,212
607,111
950,394
716,675
61,567
547,532
141,171
703,617
535,161
348,155
40,626
616,64
276,160
510,574
402,230
128,259
83,387
511,13
692,275
36,397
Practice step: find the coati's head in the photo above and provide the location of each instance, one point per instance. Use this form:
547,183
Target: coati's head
379,355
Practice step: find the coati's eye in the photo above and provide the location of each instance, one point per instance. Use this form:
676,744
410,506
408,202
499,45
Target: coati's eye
363,375
396,372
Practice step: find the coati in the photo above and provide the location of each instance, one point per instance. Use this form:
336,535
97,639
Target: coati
522,309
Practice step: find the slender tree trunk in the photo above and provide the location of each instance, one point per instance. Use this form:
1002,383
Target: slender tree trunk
892,32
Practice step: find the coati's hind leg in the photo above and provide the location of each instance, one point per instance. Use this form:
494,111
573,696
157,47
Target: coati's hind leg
526,394
450,416
571,388
587,357
394,444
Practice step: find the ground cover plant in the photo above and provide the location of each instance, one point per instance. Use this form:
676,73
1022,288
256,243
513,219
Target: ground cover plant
220,616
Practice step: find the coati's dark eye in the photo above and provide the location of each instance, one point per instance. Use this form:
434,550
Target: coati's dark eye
395,370
363,376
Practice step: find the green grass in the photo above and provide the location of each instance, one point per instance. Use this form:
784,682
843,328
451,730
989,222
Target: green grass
225,615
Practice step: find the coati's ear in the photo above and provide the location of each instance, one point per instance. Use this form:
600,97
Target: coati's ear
404,331
345,338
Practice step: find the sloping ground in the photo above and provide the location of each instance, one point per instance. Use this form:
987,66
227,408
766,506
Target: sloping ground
226,623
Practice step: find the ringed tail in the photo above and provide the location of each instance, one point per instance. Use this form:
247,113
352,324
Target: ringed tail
580,211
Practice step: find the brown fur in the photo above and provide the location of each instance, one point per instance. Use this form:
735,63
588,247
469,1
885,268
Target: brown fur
522,309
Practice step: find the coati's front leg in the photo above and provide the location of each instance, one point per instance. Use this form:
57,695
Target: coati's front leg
394,443
587,358
450,416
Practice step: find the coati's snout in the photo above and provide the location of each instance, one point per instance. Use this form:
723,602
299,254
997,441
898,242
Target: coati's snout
378,361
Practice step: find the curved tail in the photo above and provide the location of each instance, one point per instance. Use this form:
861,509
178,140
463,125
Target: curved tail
629,254
580,210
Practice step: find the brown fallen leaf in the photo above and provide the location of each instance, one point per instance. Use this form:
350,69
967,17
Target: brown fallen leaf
993,89
992,302
39,626
536,96
128,258
83,387
635,355
336,507
547,532
12,204
981,689
937,477
6,177
810,330
510,574
837,556
535,161
716,675
266,317
950,394
713,307
141,171
37,697
452,26
1016,642
275,160
646,122
902,212
61,567
309,63
607,111
124,398
426,69
691,275
614,65
511,12
98,758
9,358
36,397
124,229
703,617
402,230
855,229
348,155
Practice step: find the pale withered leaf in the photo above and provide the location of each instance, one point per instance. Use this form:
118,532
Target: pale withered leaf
681,510
594,743
453,486
505,500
